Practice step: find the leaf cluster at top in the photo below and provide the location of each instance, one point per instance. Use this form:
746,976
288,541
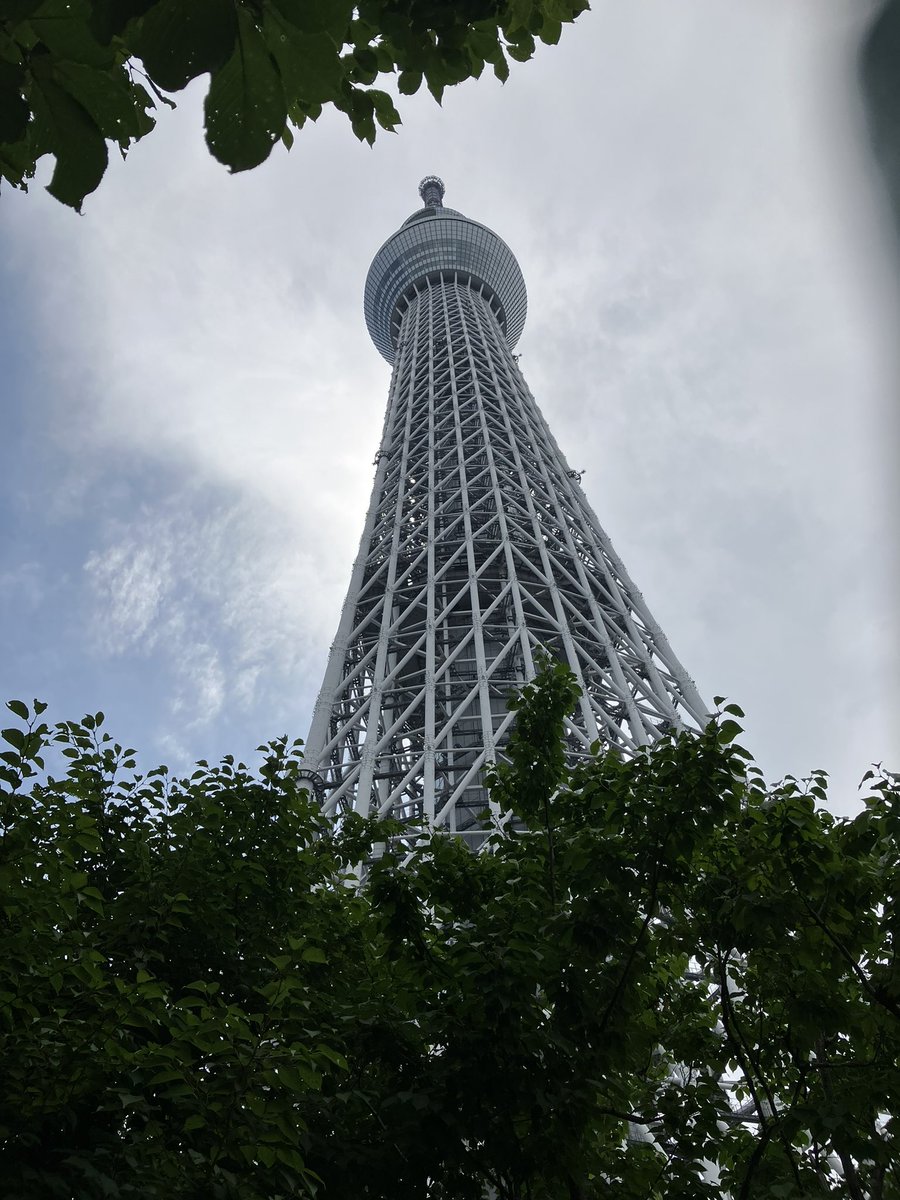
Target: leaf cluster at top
77,74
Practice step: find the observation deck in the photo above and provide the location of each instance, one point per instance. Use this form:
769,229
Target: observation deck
436,241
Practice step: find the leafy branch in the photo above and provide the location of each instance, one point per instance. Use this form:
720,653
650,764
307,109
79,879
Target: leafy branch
193,998
69,74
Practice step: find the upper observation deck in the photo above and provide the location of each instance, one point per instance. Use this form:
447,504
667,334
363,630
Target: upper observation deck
438,240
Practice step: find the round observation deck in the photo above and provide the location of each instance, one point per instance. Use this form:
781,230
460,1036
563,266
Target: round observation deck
437,240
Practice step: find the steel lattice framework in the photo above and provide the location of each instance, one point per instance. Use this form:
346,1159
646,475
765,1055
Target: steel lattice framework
479,550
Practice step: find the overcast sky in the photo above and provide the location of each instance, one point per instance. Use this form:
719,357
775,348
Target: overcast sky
191,404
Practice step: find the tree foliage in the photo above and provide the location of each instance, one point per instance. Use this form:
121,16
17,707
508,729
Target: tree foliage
659,979
77,74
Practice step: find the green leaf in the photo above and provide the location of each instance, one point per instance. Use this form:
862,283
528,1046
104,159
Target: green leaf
551,31
13,109
91,901
168,1075
63,26
110,17
329,17
364,65
362,109
385,112
15,11
15,737
435,86
177,41
299,1076
483,40
195,1121
520,51
309,65
409,82
245,109
728,731
18,708
117,106
332,1056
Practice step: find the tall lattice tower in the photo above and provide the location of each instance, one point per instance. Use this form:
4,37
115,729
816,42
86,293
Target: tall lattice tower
479,549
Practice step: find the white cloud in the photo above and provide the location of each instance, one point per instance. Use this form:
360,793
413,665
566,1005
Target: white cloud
131,581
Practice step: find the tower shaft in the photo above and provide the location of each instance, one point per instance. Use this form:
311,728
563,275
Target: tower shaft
479,551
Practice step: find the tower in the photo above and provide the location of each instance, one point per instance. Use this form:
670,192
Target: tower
479,550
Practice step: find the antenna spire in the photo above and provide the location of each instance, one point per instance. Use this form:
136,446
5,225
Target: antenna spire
431,189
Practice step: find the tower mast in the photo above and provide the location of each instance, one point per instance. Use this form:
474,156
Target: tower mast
479,550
